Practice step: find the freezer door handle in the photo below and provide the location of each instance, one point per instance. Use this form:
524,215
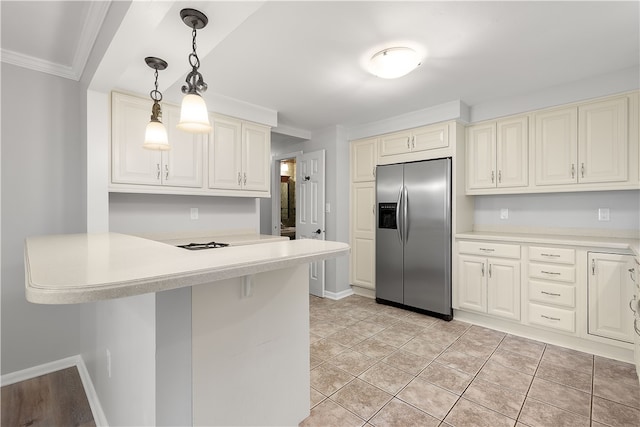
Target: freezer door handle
405,212
398,225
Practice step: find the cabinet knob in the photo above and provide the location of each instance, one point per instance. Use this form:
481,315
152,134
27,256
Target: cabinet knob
166,172
573,170
493,177
158,175
245,178
239,179
408,145
499,177
582,170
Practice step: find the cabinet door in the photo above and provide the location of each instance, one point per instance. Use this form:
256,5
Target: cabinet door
363,209
182,165
225,153
256,153
472,283
430,137
556,147
512,152
363,160
395,143
130,163
602,141
610,290
481,156
363,262
503,288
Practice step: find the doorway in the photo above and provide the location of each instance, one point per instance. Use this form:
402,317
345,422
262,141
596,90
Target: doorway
288,198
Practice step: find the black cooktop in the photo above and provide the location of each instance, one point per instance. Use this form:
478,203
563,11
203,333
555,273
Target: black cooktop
199,246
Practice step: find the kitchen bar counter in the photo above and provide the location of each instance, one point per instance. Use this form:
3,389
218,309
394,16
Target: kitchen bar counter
77,268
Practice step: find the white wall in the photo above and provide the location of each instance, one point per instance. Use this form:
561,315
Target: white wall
561,210
130,213
42,193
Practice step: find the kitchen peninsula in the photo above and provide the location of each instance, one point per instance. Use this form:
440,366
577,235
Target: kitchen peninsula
250,311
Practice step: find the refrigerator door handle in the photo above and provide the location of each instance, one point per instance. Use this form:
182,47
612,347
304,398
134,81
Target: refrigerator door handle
405,211
398,225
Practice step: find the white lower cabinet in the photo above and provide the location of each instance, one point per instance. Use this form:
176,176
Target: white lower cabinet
611,291
489,285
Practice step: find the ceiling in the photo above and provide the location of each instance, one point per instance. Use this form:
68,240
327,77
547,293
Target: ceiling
305,59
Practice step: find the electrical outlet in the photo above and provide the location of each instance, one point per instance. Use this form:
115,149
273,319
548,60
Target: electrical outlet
603,214
504,213
108,363
194,213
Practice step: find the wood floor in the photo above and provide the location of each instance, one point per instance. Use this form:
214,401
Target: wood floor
55,399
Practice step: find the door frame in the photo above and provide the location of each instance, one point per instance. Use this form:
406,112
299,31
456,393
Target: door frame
275,188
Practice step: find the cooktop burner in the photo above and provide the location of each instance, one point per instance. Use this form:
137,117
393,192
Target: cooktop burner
199,246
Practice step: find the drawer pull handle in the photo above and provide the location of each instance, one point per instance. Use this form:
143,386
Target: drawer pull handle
550,318
550,293
631,305
632,274
487,250
553,273
635,326
551,255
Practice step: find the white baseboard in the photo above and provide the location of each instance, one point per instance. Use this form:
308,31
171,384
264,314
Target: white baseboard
338,295
364,292
57,365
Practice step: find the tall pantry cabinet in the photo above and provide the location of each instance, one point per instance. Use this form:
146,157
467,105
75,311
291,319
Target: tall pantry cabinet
363,213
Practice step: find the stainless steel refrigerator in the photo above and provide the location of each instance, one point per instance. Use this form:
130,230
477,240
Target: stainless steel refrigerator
413,236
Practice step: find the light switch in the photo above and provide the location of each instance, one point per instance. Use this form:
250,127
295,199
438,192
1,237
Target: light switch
603,214
194,213
504,213
327,208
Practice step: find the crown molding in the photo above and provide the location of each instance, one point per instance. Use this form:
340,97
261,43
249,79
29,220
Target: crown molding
96,13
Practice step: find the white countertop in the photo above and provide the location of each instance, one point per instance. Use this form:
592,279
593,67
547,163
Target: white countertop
557,239
76,268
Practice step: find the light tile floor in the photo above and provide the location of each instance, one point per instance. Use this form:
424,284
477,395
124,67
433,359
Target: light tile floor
377,365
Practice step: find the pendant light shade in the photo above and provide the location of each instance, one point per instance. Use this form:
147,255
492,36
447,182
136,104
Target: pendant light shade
194,116
155,137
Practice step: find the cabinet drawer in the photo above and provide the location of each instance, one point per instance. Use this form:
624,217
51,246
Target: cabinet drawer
552,293
551,317
559,273
489,249
559,255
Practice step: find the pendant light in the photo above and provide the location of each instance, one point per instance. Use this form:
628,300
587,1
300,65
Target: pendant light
155,136
194,116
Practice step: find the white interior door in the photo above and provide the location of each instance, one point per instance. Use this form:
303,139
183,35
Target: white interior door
310,210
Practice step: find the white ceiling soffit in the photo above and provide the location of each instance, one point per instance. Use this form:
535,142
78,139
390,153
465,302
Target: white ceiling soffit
65,36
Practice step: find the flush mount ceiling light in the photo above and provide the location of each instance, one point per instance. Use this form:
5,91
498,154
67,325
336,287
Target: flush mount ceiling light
194,116
155,136
394,62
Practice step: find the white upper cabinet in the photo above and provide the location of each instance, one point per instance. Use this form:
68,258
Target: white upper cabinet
239,154
497,154
225,153
130,163
512,152
418,139
481,156
256,153
556,147
584,144
236,154
602,141
363,160
181,166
